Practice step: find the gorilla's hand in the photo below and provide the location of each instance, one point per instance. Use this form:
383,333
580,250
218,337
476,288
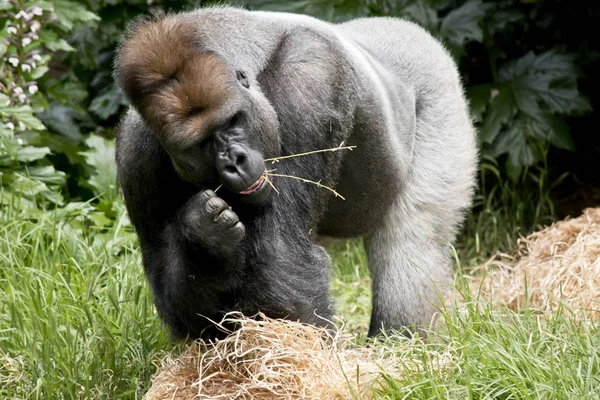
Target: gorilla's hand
208,221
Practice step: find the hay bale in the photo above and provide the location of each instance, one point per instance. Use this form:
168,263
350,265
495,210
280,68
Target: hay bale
559,265
278,359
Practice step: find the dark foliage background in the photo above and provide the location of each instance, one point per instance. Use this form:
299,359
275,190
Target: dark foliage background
529,67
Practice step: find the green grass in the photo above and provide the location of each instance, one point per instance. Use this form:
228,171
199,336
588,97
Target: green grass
76,318
77,321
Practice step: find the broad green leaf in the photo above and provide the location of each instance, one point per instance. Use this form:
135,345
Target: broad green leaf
479,99
70,12
53,42
30,153
107,103
23,114
38,72
62,119
501,111
66,92
554,130
423,14
508,139
463,24
101,160
28,187
498,19
47,174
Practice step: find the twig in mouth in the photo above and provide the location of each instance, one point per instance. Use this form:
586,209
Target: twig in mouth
270,183
340,147
319,184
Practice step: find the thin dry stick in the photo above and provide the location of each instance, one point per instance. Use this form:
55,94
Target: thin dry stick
269,182
319,184
340,147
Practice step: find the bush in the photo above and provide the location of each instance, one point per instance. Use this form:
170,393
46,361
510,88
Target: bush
27,39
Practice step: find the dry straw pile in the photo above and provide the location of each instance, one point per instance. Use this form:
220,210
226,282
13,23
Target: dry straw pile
275,359
270,359
557,266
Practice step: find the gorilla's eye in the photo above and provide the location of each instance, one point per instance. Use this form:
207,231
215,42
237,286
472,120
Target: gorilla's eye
194,112
241,76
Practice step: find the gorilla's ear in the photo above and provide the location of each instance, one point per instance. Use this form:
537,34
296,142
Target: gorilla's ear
155,49
242,78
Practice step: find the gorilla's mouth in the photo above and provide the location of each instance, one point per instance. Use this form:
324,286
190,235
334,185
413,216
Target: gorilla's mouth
256,186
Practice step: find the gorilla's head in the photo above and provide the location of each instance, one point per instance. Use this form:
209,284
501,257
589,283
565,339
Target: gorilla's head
210,117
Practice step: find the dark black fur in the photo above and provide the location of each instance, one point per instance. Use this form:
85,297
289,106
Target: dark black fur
200,264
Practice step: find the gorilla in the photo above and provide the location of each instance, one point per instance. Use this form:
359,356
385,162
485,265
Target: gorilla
216,91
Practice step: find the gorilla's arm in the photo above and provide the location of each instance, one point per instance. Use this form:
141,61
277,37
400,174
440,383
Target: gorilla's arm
191,242
198,261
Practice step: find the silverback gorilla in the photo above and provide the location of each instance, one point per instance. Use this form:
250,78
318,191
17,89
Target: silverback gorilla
216,91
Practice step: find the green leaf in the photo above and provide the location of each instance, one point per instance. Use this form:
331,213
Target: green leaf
501,112
23,114
47,174
69,13
3,41
62,119
101,158
421,13
65,91
500,18
479,100
28,187
52,42
463,24
30,153
38,72
107,103
59,45
563,97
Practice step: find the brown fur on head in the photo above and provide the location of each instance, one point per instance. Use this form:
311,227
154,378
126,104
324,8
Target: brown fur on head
180,89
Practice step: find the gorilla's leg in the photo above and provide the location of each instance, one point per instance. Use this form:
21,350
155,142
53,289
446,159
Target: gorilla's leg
410,266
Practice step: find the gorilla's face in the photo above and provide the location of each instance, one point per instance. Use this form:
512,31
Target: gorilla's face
225,155
212,119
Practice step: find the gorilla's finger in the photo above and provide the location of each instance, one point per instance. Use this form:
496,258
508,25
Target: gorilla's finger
227,218
207,194
239,229
215,205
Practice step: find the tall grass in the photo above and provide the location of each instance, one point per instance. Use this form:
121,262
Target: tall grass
503,210
77,320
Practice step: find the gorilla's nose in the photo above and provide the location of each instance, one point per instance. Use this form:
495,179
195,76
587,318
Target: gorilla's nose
239,166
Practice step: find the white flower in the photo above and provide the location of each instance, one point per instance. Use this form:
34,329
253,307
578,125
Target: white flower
24,15
22,98
22,126
20,141
35,26
37,57
18,90
26,68
26,41
12,30
37,11
11,126
14,61
33,89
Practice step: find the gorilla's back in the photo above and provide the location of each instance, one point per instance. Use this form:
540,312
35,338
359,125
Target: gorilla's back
412,128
